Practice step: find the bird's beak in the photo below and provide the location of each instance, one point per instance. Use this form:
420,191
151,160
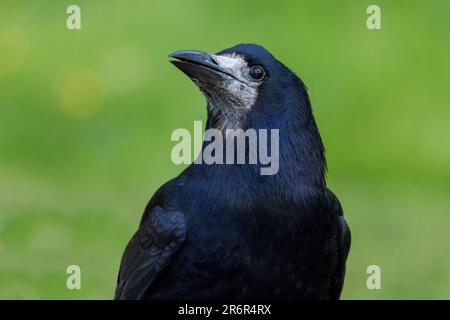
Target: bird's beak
199,66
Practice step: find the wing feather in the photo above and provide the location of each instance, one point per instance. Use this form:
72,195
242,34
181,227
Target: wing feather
150,250
343,247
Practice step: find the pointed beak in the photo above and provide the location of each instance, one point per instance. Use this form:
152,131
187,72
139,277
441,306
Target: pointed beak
199,66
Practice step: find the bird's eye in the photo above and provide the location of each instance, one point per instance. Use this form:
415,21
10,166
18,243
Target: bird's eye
257,73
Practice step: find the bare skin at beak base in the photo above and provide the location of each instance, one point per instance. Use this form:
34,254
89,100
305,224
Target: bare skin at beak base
199,65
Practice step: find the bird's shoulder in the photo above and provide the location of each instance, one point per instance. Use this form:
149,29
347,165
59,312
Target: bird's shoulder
163,223
333,202
160,235
319,199
163,198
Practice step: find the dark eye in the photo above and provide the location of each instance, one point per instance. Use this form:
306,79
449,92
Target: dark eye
257,73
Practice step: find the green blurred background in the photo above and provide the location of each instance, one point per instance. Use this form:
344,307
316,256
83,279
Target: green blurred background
86,117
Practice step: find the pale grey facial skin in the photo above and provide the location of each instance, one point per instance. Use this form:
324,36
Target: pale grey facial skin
231,99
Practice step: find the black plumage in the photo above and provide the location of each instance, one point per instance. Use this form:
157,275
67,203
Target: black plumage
226,231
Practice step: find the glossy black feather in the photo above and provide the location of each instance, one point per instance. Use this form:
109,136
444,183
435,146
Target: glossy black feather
151,249
225,231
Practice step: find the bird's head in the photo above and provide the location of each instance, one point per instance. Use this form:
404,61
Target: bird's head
245,86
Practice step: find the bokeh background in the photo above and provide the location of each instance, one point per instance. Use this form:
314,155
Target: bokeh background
86,117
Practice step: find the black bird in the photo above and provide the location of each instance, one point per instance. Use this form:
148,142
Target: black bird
225,230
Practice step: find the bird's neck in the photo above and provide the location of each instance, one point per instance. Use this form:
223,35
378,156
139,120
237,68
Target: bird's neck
304,155
297,159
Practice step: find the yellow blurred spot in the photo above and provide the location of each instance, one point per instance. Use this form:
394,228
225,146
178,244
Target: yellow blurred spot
80,93
12,49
